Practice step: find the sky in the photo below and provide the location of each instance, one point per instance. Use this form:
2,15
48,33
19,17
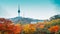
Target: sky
37,9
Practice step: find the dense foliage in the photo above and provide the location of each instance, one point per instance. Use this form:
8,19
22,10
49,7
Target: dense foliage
47,27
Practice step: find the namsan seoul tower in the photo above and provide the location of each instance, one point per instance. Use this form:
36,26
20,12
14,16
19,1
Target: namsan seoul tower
18,10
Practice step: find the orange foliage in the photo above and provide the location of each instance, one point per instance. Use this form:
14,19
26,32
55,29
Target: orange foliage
54,28
18,29
7,25
32,27
40,25
10,27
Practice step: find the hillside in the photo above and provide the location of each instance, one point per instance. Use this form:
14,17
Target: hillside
24,20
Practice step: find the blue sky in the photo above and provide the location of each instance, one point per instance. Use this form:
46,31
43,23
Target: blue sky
37,9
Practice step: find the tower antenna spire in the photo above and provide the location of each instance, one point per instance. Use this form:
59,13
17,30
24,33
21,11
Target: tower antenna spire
18,6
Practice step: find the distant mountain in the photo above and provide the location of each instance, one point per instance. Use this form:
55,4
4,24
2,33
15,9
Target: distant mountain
24,20
55,17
